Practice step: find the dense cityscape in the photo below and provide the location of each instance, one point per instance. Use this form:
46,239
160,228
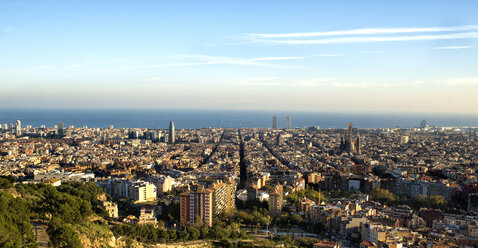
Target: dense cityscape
238,124
245,187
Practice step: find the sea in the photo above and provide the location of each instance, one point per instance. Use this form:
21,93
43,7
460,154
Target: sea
192,119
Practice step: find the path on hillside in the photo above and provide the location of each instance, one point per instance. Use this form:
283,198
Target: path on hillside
42,238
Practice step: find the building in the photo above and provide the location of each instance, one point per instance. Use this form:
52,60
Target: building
275,201
142,192
274,122
473,230
147,215
472,202
423,124
59,132
111,208
404,139
197,206
348,144
163,183
223,198
18,128
53,182
287,122
172,135
314,178
64,176
206,201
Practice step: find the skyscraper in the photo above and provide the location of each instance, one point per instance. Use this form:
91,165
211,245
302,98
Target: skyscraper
287,122
60,129
274,122
172,137
18,128
423,124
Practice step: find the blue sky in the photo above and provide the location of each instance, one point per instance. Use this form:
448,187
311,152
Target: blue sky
411,56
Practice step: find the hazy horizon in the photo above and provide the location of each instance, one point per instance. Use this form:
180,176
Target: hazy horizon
279,111
319,56
191,119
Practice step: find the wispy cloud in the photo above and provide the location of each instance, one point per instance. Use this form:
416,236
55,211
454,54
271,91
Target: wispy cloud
368,31
367,35
367,39
453,47
460,81
195,60
75,66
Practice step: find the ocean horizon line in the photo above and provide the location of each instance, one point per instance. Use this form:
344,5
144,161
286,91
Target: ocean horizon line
191,119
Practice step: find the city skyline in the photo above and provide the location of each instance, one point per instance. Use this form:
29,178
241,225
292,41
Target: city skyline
313,56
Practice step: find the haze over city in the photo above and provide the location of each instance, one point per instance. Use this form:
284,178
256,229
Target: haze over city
401,56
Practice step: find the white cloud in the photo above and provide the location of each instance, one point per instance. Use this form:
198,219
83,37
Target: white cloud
368,31
453,47
366,39
194,60
75,66
460,81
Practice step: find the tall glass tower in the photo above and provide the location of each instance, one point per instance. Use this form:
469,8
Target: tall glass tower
60,129
172,137
18,128
287,122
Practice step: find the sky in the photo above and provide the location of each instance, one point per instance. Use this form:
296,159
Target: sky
324,56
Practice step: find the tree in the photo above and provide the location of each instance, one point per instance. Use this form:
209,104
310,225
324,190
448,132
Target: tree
194,233
219,232
204,232
15,227
172,235
163,235
184,235
6,182
62,234
382,195
437,201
